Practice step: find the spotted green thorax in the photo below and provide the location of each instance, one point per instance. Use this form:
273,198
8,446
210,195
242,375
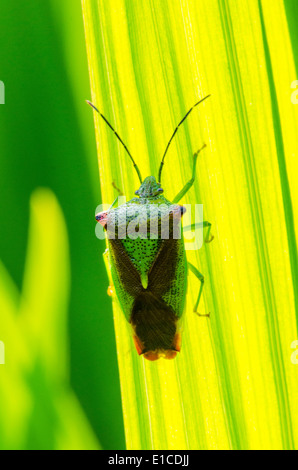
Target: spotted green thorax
147,257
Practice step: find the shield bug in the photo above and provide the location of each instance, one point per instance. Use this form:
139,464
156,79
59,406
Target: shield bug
147,258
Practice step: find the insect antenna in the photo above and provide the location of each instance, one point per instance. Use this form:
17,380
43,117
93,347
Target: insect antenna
119,138
188,112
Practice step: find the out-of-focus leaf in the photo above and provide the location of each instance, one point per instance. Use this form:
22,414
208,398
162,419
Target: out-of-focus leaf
38,408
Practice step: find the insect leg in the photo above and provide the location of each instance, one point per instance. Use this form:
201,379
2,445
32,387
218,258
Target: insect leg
120,193
200,276
114,203
199,225
191,181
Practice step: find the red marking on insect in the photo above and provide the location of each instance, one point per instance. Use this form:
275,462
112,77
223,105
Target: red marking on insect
177,342
138,344
101,218
177,212
154,355
182,210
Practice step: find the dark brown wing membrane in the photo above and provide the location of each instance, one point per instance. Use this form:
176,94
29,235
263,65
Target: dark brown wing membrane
163,270
128,274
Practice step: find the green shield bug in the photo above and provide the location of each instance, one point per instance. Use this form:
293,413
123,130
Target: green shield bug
147,257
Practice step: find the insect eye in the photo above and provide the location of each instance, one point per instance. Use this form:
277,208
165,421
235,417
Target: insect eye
137,192
160,190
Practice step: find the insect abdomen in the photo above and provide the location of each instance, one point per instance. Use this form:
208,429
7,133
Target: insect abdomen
154,323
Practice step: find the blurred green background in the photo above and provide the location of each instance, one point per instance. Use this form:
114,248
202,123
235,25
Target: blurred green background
47,140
